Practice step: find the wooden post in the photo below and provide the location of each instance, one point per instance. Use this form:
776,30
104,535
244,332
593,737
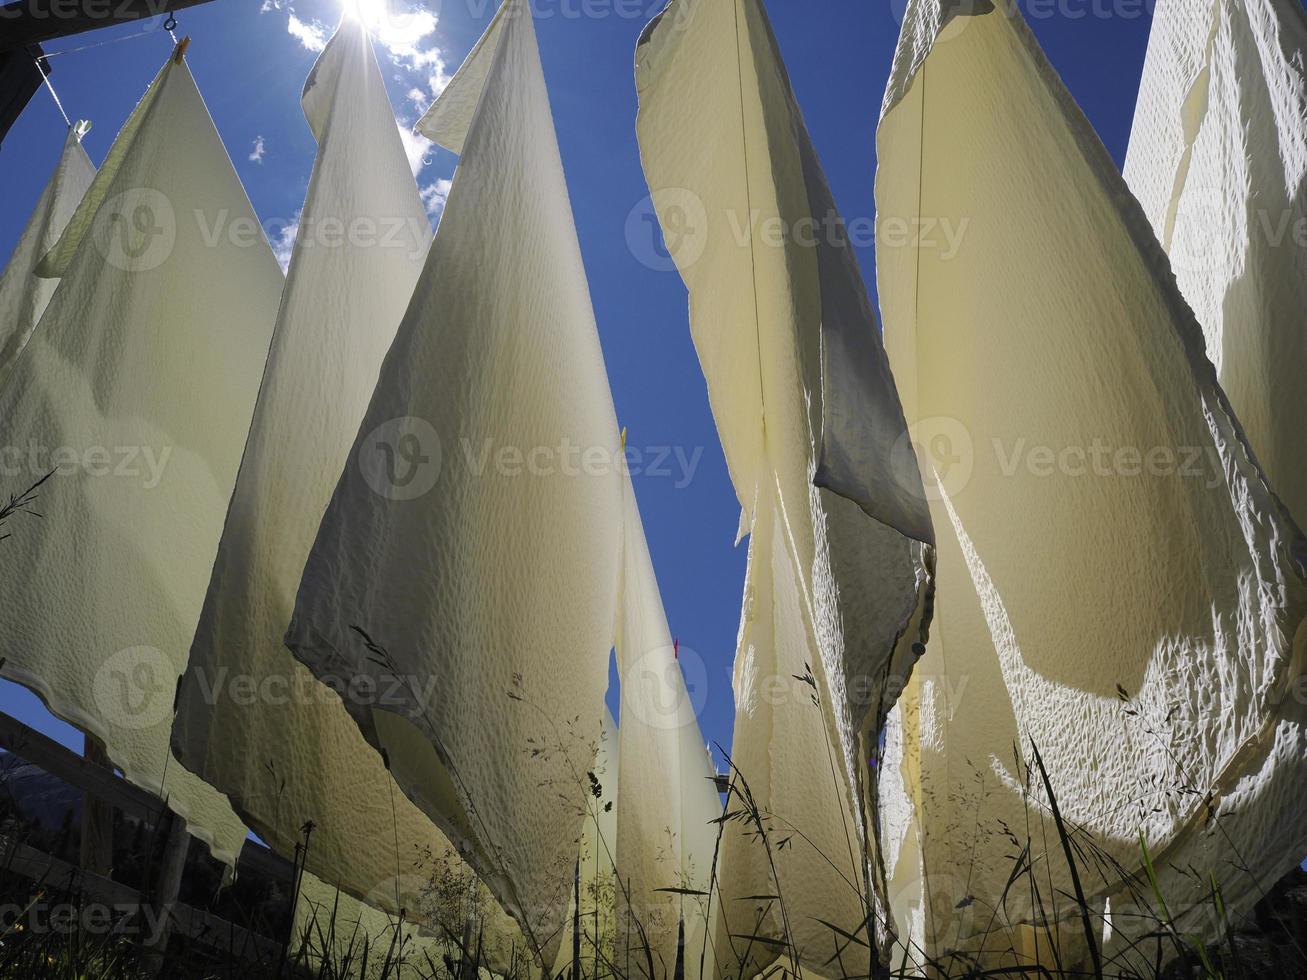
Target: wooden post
96,849
20,77
167,885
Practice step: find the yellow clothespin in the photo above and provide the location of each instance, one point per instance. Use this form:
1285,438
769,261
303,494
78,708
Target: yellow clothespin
623,438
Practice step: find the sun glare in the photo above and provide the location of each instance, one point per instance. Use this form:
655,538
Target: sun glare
397,26
373,13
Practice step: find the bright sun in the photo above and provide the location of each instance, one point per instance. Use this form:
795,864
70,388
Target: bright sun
373,13
397,26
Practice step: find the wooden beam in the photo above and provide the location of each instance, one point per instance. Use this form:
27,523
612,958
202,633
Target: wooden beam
43,751
20,77
25,22
199,924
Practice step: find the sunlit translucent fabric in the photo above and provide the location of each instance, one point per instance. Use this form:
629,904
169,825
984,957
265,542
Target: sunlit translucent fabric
334,934
836,591
136,390
665,837
474,535
23,295
596,879
1118,585
252,720
1218,159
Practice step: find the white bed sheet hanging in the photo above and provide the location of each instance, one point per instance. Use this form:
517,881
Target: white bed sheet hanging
838,584
335,934
465,536
1119,584
1218,159
136,390
596,863
24,295
667,800
289,753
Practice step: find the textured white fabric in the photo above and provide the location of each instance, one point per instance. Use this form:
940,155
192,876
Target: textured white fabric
596,854
252,720
700,805
1118,583
837,587
475,534
334,934
665,838
1218,159
23,295
137,389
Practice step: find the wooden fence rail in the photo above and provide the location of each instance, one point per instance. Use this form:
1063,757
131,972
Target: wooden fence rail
104,784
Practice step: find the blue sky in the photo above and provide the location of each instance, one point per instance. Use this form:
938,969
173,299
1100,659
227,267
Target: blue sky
250,58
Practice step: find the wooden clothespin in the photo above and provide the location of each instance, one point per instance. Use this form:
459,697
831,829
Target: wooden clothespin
623,438
180,52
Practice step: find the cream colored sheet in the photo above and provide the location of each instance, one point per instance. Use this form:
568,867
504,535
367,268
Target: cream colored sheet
1218,159
474,535
597,882
337,935
837,593
1118,583
23,295
252,720
137,392
665,838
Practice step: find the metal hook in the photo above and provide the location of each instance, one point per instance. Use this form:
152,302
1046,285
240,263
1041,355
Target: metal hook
170,24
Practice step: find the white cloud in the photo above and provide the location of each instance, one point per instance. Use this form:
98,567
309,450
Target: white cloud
283,240
435,194
312,35
405,33
256,152
438,79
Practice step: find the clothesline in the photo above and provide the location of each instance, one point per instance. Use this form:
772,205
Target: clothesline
169,25
112,40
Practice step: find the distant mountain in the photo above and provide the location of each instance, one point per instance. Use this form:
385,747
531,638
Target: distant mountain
32,794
